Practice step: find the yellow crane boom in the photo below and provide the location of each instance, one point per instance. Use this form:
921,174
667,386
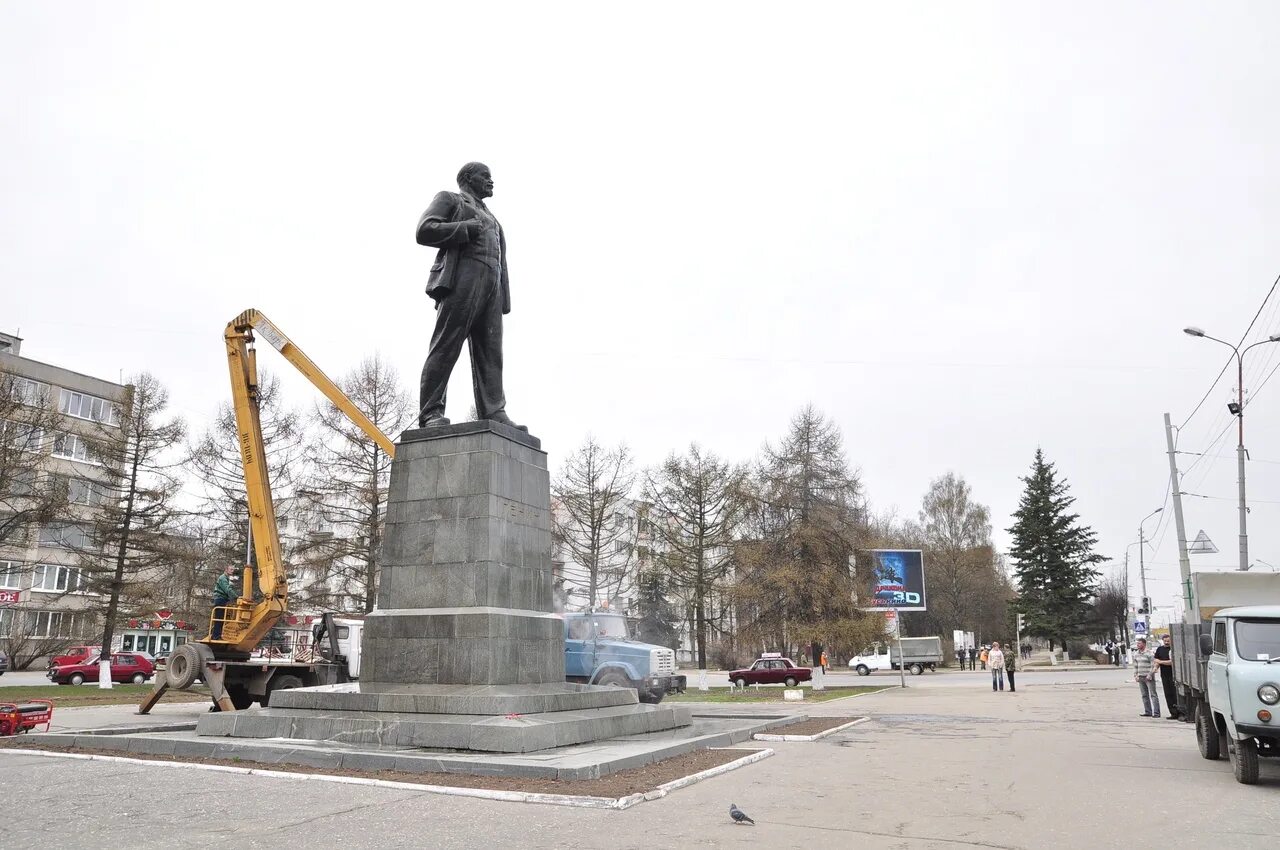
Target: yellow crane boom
246,621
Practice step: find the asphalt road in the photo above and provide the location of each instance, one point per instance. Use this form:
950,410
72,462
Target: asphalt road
23,677
1055,766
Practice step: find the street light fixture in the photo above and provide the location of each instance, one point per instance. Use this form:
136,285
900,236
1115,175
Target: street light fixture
1237,410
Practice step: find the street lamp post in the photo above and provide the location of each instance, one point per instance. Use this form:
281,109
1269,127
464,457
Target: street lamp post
1237,408
1142,565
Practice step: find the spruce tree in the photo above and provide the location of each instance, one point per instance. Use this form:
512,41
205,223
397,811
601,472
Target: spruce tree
1054,556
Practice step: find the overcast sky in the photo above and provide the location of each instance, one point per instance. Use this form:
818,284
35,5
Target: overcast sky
962,231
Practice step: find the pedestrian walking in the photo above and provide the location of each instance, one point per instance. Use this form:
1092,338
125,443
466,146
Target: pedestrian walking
823,662
1011,667
1144,664
960,655
1164,661
982,657
973,658
996,657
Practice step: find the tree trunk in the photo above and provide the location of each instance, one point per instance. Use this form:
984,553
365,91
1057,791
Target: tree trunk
113,604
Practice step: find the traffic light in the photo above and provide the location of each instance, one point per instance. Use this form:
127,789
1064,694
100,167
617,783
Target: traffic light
1021,623
1146,605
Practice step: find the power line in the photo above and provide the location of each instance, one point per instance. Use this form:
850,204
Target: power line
1227,365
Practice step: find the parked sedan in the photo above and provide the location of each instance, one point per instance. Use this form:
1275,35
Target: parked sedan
4,663
135,667
771,669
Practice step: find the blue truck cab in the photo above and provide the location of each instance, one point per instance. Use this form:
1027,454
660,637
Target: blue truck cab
598,651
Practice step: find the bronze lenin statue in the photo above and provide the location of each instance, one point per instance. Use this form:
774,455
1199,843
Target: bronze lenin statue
469,284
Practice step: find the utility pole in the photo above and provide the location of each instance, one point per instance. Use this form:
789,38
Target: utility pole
1184,560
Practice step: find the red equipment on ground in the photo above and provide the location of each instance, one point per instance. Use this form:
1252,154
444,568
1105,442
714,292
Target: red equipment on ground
16,717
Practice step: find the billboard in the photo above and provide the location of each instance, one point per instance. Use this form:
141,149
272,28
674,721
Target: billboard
899,579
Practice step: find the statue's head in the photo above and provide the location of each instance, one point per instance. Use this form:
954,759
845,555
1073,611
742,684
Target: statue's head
474,177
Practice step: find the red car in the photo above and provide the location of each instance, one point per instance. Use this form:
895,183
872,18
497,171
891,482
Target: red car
771,669
133,667
76,655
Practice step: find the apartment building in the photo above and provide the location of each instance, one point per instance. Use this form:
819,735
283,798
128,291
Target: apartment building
43,602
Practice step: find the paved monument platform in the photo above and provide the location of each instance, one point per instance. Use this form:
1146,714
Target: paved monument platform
581,761
464,651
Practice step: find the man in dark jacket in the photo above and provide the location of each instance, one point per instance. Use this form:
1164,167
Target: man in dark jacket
469,284
223,594
1164,663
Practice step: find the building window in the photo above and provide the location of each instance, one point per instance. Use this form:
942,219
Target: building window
11,575
52,578
29,392
6,620
72,447
21,436
89,407
82,491
46,624
65,535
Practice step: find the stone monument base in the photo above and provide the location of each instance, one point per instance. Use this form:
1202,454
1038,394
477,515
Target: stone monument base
482,718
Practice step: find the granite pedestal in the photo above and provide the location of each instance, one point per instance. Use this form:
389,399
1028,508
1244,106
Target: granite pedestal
464,651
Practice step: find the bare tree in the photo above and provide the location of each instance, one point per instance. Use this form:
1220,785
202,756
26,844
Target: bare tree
131,543
805,517
348,489
696,503
590,496
967,588
215,463
29,496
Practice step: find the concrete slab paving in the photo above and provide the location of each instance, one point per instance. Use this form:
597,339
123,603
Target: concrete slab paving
1051,767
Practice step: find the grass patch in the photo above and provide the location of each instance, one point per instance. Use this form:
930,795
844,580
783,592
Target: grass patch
773,693
72,696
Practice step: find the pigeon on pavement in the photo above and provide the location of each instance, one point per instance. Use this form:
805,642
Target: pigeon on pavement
739,816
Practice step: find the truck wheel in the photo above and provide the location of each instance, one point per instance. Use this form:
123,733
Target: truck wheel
183,666
916,669
1207,734
1244,759
741,683
76,679
615,679
279,683
790,682
864,670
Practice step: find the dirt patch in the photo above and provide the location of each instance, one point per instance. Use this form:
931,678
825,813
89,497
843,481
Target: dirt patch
812,726
634,781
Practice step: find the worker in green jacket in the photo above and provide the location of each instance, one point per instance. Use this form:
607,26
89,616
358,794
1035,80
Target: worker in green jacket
223,594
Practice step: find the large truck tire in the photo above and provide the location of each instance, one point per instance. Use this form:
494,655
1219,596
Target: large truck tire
280,683
615,679
1207,734
1244,760
183,666
916,669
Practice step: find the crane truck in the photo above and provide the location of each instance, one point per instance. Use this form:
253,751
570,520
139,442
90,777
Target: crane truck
224,658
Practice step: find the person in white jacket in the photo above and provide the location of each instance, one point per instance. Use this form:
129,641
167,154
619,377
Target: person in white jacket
995,658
